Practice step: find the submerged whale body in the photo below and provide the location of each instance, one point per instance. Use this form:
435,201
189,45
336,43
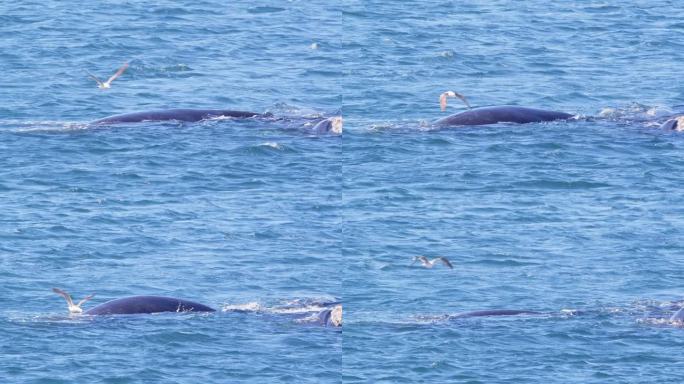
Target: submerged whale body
187,115
147,304
502,114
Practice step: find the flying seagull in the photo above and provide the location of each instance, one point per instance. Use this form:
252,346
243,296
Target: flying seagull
431,263
72,308
443,99
108,84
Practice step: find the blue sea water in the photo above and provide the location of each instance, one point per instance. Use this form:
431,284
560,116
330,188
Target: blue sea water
236,215
580,220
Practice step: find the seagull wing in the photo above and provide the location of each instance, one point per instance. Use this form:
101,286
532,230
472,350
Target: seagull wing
423,260
84,300
118,73
443,101
463,99
99,82
65,295
445,261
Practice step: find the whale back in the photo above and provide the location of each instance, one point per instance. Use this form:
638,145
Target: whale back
147,304
187,115
502,114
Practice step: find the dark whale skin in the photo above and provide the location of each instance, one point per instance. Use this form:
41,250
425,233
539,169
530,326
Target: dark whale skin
502,114
187,115
147,304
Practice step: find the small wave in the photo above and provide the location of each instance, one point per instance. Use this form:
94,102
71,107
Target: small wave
284,109
297,310
382,127
301,306
48,126
246,307
166,71
560,184
260,10
271,144
662,322
505,262
22,318
567,312
265,148
447,54
290,307
429,319
635,112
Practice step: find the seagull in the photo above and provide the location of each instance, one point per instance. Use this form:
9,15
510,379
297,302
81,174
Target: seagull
431,263
108,84
72,308
443,99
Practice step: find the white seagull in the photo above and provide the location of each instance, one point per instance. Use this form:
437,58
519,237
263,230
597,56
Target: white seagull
443,99
73,308
108,84
431,263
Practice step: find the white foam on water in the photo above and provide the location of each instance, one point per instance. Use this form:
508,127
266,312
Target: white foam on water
246,307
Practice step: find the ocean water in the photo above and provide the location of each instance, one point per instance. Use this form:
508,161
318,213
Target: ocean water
580,221
240,215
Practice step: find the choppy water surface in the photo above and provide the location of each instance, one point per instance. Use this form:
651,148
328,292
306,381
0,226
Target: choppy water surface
580,221
231,214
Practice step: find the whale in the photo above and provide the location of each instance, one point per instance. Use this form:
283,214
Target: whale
502,114
329,125
180,114
493,312
134,305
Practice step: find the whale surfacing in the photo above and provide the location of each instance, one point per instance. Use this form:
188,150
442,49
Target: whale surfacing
502,114
147,304
187,115
134,305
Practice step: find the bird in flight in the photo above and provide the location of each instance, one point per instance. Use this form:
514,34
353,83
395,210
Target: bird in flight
431,263
73,308
443,99
108,84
